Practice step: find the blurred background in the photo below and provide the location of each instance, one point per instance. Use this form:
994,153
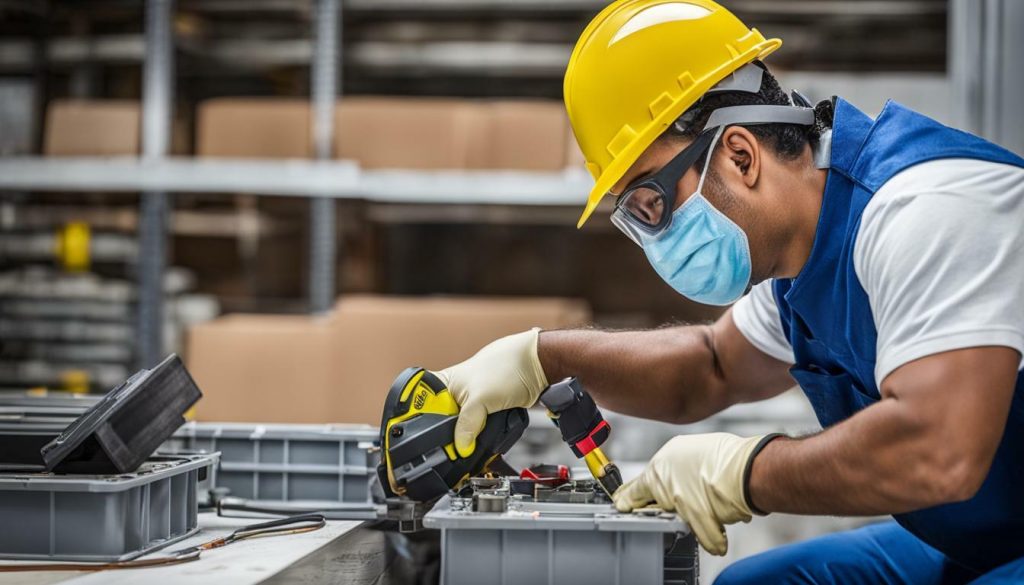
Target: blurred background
302,197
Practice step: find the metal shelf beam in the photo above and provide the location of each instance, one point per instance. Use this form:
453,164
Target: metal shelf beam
302,178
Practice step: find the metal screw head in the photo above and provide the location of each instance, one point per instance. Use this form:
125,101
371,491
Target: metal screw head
397,431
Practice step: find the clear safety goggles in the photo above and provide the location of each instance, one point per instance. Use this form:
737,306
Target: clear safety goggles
645,208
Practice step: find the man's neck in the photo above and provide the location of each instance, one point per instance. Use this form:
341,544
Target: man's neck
806,194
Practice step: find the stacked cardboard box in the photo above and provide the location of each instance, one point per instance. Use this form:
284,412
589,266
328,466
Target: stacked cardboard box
394,132
254,128
431,133
573,155
522,135
424,133
338,368
262,368
378,132
79,127
92,128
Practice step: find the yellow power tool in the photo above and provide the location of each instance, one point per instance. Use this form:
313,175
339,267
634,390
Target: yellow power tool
418,457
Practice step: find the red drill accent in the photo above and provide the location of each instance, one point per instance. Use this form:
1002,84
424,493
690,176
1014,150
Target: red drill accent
562,475
587,444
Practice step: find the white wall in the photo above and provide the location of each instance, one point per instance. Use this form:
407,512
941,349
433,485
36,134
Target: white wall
927,93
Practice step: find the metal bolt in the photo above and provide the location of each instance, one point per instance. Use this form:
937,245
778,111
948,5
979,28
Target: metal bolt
397,432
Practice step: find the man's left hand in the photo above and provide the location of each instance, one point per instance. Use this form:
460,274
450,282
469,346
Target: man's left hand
701,478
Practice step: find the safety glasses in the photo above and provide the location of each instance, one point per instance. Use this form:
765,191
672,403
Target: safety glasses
645,208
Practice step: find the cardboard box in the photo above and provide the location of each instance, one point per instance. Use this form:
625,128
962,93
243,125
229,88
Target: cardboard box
92,128
573,155
377,337
524,135
393,132
262,368
339,368
254,128
405,133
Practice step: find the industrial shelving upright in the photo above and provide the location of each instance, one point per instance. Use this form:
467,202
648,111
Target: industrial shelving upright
157,94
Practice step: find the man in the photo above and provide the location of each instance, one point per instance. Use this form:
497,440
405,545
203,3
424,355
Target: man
887,274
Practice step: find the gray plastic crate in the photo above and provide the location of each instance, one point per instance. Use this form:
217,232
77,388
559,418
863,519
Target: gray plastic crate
16,406
562,544
100,517
293,462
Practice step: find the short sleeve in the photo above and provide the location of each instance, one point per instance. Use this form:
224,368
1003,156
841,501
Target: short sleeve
757,317
939,253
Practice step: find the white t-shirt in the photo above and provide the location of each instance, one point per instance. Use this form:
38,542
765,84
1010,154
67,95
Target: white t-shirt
940,253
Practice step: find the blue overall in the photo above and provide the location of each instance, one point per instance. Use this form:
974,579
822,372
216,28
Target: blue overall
826,317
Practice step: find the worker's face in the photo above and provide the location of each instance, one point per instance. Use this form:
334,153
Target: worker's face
732,185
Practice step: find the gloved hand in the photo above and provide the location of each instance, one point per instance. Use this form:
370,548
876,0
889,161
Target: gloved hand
701,478
504,374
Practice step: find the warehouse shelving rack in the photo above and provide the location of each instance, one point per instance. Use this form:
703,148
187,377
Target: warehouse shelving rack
158,176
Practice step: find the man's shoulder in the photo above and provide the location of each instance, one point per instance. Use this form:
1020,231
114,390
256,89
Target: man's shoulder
954,176
943,186
933,200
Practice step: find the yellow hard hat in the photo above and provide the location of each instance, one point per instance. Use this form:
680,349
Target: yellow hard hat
637,67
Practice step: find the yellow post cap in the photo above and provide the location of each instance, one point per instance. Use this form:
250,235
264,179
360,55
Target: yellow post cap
72,246
637,67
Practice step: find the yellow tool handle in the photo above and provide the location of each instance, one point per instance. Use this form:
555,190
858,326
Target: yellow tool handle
604,471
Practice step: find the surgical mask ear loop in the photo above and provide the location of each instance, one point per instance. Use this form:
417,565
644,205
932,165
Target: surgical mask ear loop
707,161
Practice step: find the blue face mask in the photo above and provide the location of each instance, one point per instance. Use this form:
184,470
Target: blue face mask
702,254
697,250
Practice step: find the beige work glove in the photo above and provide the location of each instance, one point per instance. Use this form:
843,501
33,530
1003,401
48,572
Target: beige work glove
701,478
505,373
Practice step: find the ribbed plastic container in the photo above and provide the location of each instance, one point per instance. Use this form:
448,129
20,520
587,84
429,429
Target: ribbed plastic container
562,544
17,406
278,462
100,517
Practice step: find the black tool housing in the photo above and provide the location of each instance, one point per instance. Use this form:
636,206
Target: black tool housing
576,413
415,448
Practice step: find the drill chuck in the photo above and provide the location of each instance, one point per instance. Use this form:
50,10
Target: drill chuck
603,470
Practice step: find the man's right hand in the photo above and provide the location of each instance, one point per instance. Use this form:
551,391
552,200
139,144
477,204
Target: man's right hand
504,374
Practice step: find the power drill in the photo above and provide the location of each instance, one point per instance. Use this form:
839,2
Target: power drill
577,417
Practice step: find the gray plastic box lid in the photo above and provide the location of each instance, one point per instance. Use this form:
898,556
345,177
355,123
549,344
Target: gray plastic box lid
562,544
286,462
100,517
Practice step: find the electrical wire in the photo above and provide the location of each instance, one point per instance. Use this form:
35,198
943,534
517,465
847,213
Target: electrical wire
279,527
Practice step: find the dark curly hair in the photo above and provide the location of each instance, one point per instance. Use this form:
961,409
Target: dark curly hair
787,140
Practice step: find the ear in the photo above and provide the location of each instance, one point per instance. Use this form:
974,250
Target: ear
743,149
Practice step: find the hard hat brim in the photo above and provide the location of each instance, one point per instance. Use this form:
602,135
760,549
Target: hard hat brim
632,152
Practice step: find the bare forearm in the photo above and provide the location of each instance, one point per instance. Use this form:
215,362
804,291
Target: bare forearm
870,464
930,441
665,374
